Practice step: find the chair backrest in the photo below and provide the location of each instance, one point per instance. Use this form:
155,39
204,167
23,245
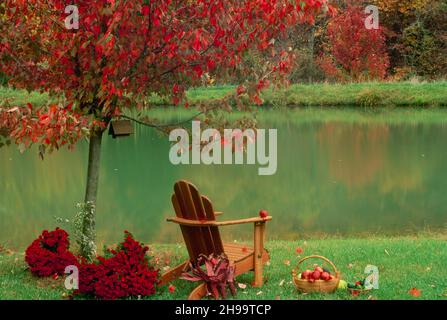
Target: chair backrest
189,204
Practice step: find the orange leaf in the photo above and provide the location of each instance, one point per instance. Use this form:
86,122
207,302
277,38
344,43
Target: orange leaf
415,292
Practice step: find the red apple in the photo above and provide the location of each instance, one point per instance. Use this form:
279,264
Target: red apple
306,274
325,276
263,213
311,280
319,269
316,275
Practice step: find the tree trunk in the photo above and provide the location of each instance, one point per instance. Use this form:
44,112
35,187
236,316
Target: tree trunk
88,246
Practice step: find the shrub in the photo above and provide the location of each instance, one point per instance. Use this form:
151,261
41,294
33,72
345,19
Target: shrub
354,53
369,98
49,254
124,273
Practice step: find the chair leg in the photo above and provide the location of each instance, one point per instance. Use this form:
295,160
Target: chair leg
258,253
173,274
198,293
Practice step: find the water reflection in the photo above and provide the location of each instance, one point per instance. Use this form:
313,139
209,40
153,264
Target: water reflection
332,178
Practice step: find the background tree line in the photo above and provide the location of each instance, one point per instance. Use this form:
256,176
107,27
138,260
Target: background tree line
411,42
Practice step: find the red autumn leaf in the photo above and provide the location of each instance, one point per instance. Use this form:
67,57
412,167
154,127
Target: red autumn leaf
171,288
355,293
299,250
257,100
415,292
145,10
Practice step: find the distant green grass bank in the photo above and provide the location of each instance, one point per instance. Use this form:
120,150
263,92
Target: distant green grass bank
337,95
403,94
404,263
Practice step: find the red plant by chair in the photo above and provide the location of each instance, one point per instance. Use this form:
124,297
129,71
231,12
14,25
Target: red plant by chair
218,274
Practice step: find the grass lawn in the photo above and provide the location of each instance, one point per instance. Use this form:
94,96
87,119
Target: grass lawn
403,263
375,94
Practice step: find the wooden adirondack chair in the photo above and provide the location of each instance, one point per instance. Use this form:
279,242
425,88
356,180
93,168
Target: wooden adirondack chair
197,220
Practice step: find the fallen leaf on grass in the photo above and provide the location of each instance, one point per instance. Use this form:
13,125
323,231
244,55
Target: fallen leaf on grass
287,262
171,288
355,293
299,250
350,266
242,285
415,292
386,251
259,293
281,283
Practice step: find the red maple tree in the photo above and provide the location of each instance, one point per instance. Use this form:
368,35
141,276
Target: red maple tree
122,52
354,52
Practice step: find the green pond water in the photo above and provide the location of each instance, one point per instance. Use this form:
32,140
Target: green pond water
333,177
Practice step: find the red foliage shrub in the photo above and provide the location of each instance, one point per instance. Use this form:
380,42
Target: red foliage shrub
126,273
49,254
354,52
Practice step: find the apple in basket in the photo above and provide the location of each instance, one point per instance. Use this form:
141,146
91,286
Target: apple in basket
319,269
306,274
316,275
325,276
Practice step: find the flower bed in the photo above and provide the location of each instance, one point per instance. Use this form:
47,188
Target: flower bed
49,254
124,272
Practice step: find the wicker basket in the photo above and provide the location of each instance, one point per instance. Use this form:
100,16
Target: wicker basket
305,286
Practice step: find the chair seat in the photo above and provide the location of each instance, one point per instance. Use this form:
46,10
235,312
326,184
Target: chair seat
237,252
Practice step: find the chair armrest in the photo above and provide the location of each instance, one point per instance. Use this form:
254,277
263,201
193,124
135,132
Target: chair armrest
214,223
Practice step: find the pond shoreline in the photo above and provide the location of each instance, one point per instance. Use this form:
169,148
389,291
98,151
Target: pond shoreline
363,95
